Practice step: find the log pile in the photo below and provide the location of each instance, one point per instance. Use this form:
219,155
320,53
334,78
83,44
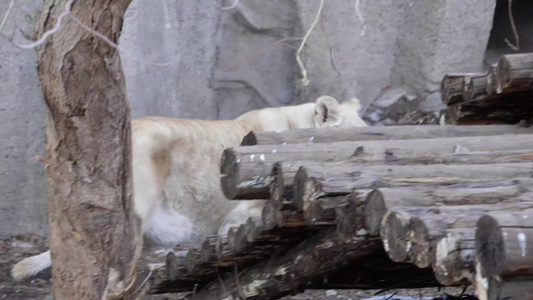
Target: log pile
426,205
501,96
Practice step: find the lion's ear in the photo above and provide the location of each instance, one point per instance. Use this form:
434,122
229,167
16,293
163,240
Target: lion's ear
328,112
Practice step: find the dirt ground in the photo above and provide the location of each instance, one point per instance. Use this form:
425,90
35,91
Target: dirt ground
39,288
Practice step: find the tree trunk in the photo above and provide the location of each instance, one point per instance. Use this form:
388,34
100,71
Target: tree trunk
94,238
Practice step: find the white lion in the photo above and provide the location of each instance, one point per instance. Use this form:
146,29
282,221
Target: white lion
176,170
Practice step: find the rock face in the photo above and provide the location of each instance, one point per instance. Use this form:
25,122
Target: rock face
226,62
398,106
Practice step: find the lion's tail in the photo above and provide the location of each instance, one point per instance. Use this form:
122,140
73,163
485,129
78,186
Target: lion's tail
31,266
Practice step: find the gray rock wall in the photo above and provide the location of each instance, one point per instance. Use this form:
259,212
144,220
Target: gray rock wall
437,37
224,62
363,55
22,124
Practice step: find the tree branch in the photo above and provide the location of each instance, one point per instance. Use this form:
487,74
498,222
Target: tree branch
57,27
305,80
7,14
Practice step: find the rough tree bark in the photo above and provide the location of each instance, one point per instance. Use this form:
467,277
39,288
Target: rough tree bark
94,234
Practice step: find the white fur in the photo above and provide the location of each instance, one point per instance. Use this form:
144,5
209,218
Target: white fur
31,266
243,211
176,171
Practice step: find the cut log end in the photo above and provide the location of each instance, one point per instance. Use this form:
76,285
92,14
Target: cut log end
221,246
192,260
207,252
393,234
277,186
240,242
420,249
453,258
269,216
228,173
300,180
490,245
306,189
374,209
252,231
249,140
172,266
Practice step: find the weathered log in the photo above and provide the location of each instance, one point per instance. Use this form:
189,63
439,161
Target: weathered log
281,187
496,288
208,249
396,228
227,254
177,271
496,109
282,195
195,265
349,218
221,247
476,88
271,216
514,73
320,180
425,229
479,157
492,79
246,171
379,200
452,88
154,271
383,133
503,243
393,231
239,240
160,283
517,289
322,212
253,231
453,257
232,233
377,271
300,266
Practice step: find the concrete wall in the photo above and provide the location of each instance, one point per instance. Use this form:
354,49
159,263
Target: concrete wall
214,76
437,37
362,53
22,124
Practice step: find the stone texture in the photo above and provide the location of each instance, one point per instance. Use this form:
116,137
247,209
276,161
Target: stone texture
364,58
437,37
243,79
183,34
22,132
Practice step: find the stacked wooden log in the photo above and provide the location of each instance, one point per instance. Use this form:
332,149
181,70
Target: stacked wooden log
450,199
503,95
